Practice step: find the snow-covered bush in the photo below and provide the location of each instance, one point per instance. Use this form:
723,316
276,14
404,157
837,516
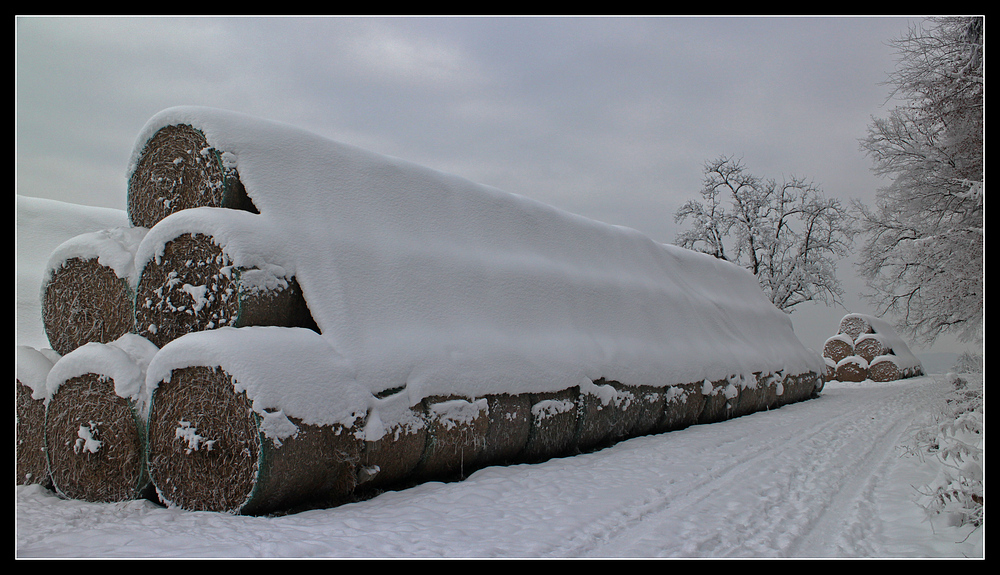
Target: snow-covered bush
955,441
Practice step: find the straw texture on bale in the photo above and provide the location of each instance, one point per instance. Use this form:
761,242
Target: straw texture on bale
884,369
553,425
84,301
456,436
94,442
838,347
721,399
392,458
854,325
207,451
176,170
649,403
853,369
31,463
682,406
870,346
193,286
31,369
509,427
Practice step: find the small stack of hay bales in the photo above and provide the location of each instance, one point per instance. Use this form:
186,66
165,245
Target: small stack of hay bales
868,348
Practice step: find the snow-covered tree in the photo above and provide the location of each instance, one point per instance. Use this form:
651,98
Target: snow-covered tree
923,256
787,234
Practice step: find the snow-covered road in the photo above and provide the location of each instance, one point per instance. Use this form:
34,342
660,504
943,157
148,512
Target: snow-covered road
828,477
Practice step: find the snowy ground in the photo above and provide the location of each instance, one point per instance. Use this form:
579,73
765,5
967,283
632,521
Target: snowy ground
828,477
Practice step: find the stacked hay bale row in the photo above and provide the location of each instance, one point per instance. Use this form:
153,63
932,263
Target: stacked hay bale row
867,347
250,404
215,415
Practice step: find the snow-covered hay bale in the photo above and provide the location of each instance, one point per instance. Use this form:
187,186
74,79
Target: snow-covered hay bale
509,427
177,169
721,399
854,325
210,267
852,368
870,346
838,347
456,436
391,451
648,405
553,425
94,426
86,293
599,409
32,367
799,387
682,406
253,420
830,373
884,368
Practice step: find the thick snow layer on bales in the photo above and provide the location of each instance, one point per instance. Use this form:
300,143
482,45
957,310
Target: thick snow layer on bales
113,248
124,361
285,372
427,281
904,358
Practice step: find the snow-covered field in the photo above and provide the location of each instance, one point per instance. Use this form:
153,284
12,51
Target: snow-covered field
829,477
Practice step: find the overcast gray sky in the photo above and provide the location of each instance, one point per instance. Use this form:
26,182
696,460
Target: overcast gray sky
608,117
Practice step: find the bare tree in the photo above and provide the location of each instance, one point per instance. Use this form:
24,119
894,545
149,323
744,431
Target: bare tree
923,257
787,234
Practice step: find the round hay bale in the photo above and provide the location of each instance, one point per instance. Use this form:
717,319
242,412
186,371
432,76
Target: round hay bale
94,423
94,442
853,325
682,406
753,394
627,412
597,415
553,425
870,346
509,428
84,301
721,398
456,436
31,369
193,286
838,347
830,371
648,405
209,450
799,387
852,368
177,169
884,368
391,452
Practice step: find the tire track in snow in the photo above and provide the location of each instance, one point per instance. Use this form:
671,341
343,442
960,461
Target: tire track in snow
758,495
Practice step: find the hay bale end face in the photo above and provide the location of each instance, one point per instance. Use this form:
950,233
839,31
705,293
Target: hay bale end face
870,346
884,368
177,169
838,347
854,325
84,301
208,452
94,442
193,286
853,369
